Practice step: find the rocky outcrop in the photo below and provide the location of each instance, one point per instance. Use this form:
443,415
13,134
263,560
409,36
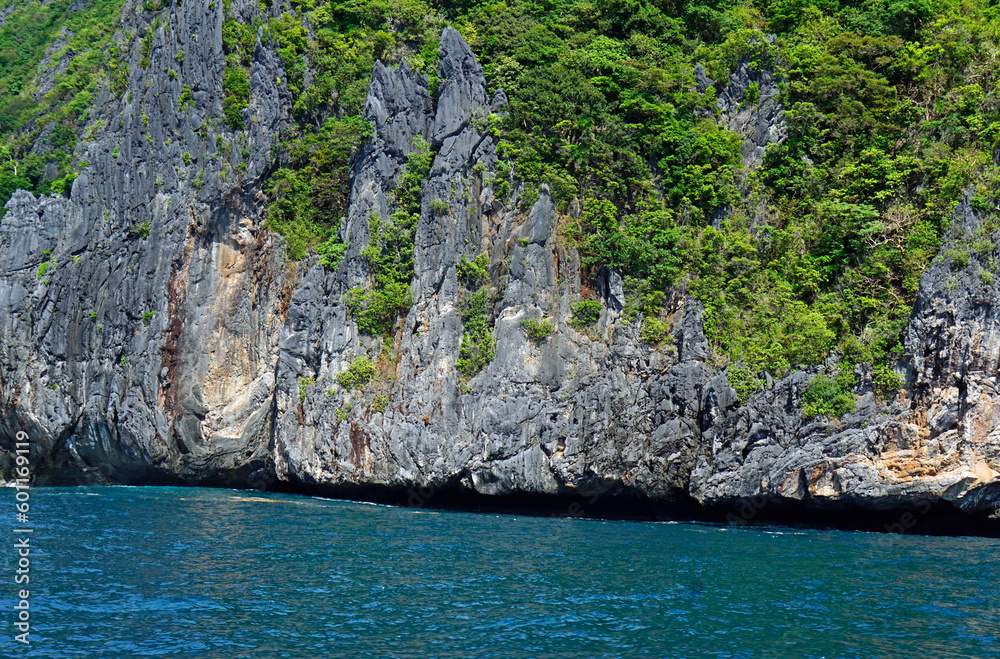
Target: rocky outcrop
749,105
541,419
152,331
950,435
936,444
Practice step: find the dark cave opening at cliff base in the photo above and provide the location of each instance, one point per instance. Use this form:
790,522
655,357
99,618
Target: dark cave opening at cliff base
610,502
919,518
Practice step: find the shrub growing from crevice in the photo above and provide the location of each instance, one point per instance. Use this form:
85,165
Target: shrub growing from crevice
743,379
654,331
826,396
237,42
478,345
236,85
390,253
537,330
473,273
586,313
358,374
390,256
304,384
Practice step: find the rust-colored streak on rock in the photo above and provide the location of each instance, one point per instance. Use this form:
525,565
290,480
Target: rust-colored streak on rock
288,289
359,444
170,353
817,473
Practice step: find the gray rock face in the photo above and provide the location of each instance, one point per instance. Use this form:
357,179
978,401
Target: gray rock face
168,340
954,340
139,314
49,69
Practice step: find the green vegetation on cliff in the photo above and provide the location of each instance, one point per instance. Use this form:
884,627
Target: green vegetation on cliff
237,42
310,191
892,112
390,252
891,109
478,345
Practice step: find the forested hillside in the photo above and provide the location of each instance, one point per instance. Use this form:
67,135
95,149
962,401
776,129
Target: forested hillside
892,115
50,66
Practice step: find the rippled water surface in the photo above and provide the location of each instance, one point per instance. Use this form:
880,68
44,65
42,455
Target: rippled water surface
132,572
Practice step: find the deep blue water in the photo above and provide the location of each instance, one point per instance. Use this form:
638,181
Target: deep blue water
166,572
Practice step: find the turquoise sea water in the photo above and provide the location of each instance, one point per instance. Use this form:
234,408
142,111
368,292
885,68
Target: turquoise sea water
167,572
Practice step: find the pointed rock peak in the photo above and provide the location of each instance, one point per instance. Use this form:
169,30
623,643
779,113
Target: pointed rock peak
462,93
456,56
702,80
690,333
500,100
542,219
399,95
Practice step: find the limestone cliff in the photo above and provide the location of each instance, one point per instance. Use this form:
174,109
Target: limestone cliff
152,331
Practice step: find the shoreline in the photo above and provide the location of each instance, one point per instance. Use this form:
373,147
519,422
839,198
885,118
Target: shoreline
919,517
